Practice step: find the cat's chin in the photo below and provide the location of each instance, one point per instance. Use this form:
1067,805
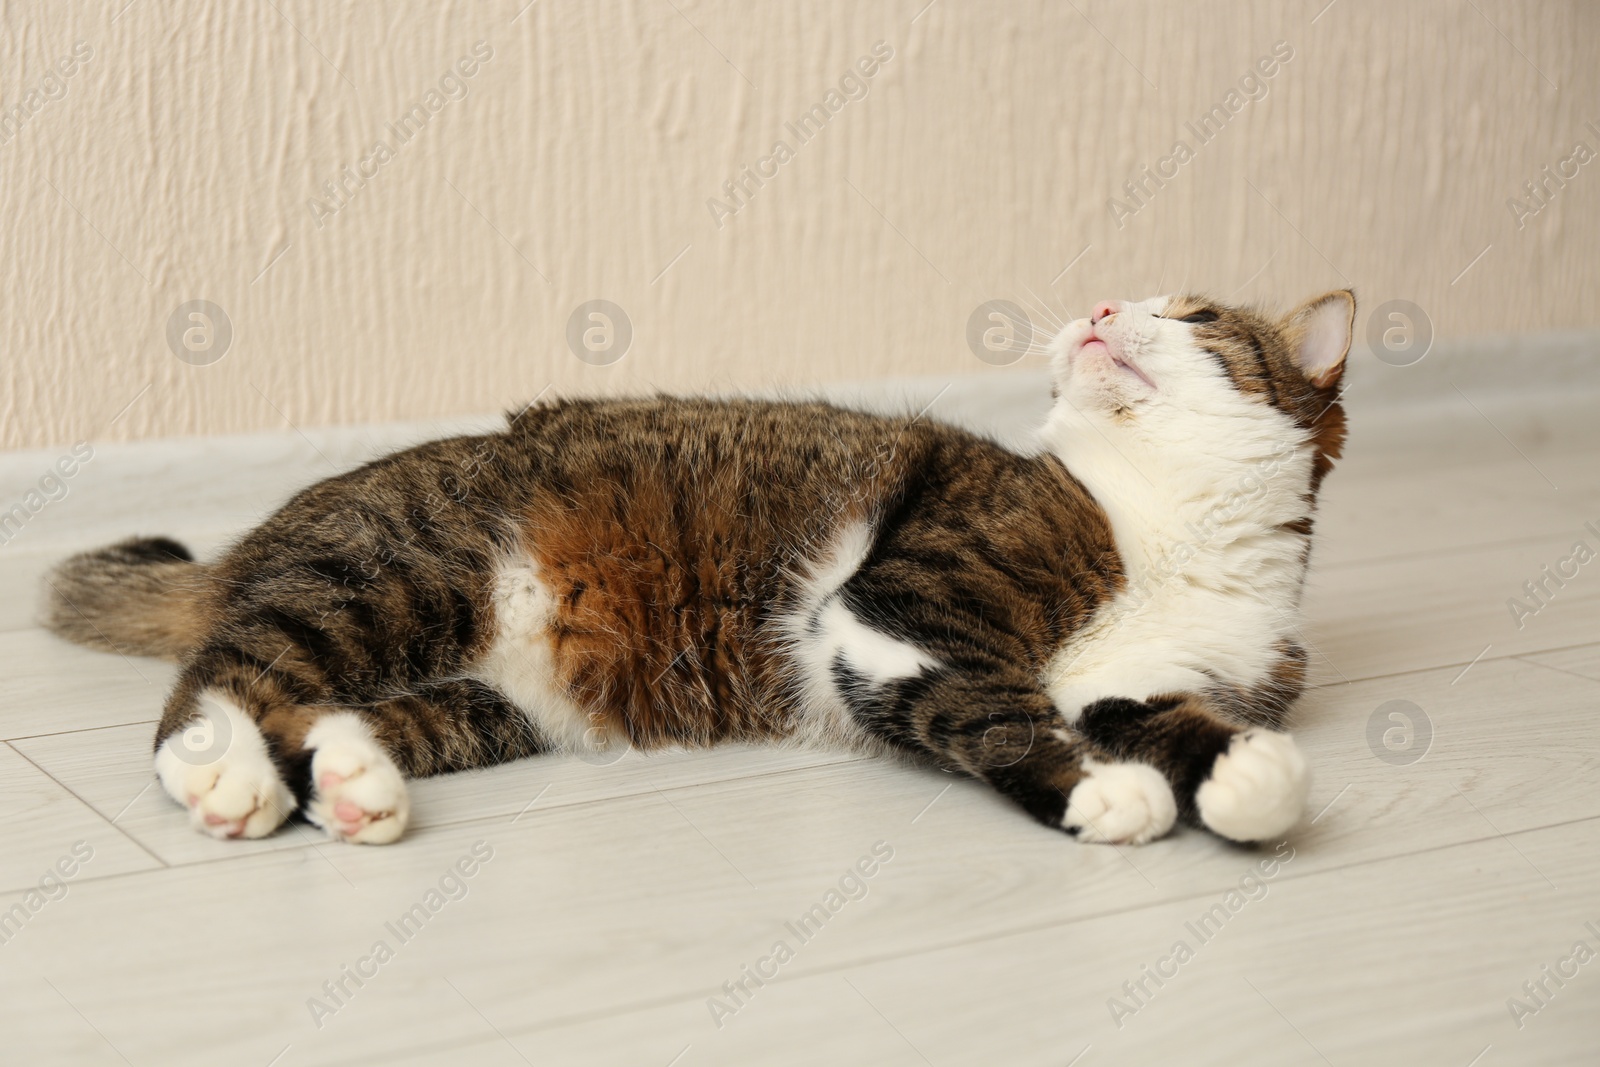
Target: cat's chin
1102,396
1101,362
1093,381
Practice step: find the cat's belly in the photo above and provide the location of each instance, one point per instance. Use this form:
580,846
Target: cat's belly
521,661
603,650
602,653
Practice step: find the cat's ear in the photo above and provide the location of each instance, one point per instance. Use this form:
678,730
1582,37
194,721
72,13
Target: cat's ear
1318,333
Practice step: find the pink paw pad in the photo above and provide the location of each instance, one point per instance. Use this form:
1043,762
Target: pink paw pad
360,793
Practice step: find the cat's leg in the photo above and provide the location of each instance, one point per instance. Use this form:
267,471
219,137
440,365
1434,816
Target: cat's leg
243,753
1242,782
1001,727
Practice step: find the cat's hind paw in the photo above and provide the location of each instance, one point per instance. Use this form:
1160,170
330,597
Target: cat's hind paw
1257,789
1120,803
219,769
358,794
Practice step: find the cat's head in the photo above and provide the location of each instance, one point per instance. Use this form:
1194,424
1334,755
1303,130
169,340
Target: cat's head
1187,373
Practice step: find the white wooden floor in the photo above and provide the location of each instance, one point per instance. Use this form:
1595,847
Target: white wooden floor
619,900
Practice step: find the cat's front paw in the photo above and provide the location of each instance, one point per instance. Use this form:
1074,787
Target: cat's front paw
1120,803
219,769
1257,789
359,795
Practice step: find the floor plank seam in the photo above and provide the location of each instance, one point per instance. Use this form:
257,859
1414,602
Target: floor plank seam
1552,667
1461,663
140,845
483,820
1433,553
82,730
1199,895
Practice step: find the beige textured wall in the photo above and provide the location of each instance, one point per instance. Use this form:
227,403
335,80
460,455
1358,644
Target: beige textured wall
177,162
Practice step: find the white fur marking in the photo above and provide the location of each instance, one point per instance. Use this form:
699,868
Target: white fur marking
878,656
1120,803
234,791
1257,789
360,795
822,627
521,664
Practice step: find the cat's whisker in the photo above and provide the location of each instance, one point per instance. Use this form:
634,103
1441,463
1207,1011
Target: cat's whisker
1044,309
1050,321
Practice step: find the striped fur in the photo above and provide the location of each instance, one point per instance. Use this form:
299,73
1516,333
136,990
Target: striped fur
662,571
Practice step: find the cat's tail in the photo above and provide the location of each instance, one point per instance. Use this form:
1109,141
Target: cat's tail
145,595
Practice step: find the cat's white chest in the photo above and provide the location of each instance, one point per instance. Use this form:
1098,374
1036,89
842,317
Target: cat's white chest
1214,572
1143,644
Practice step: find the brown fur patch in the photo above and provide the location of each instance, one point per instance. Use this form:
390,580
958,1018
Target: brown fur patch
672,570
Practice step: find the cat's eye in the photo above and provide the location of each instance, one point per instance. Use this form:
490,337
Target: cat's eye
1200,317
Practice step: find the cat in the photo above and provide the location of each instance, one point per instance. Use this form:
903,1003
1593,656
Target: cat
1103,629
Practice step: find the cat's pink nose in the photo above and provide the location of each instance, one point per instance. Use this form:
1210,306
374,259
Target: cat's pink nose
1104,308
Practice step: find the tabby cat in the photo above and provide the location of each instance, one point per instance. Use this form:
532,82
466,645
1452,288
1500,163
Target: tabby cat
1103,629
